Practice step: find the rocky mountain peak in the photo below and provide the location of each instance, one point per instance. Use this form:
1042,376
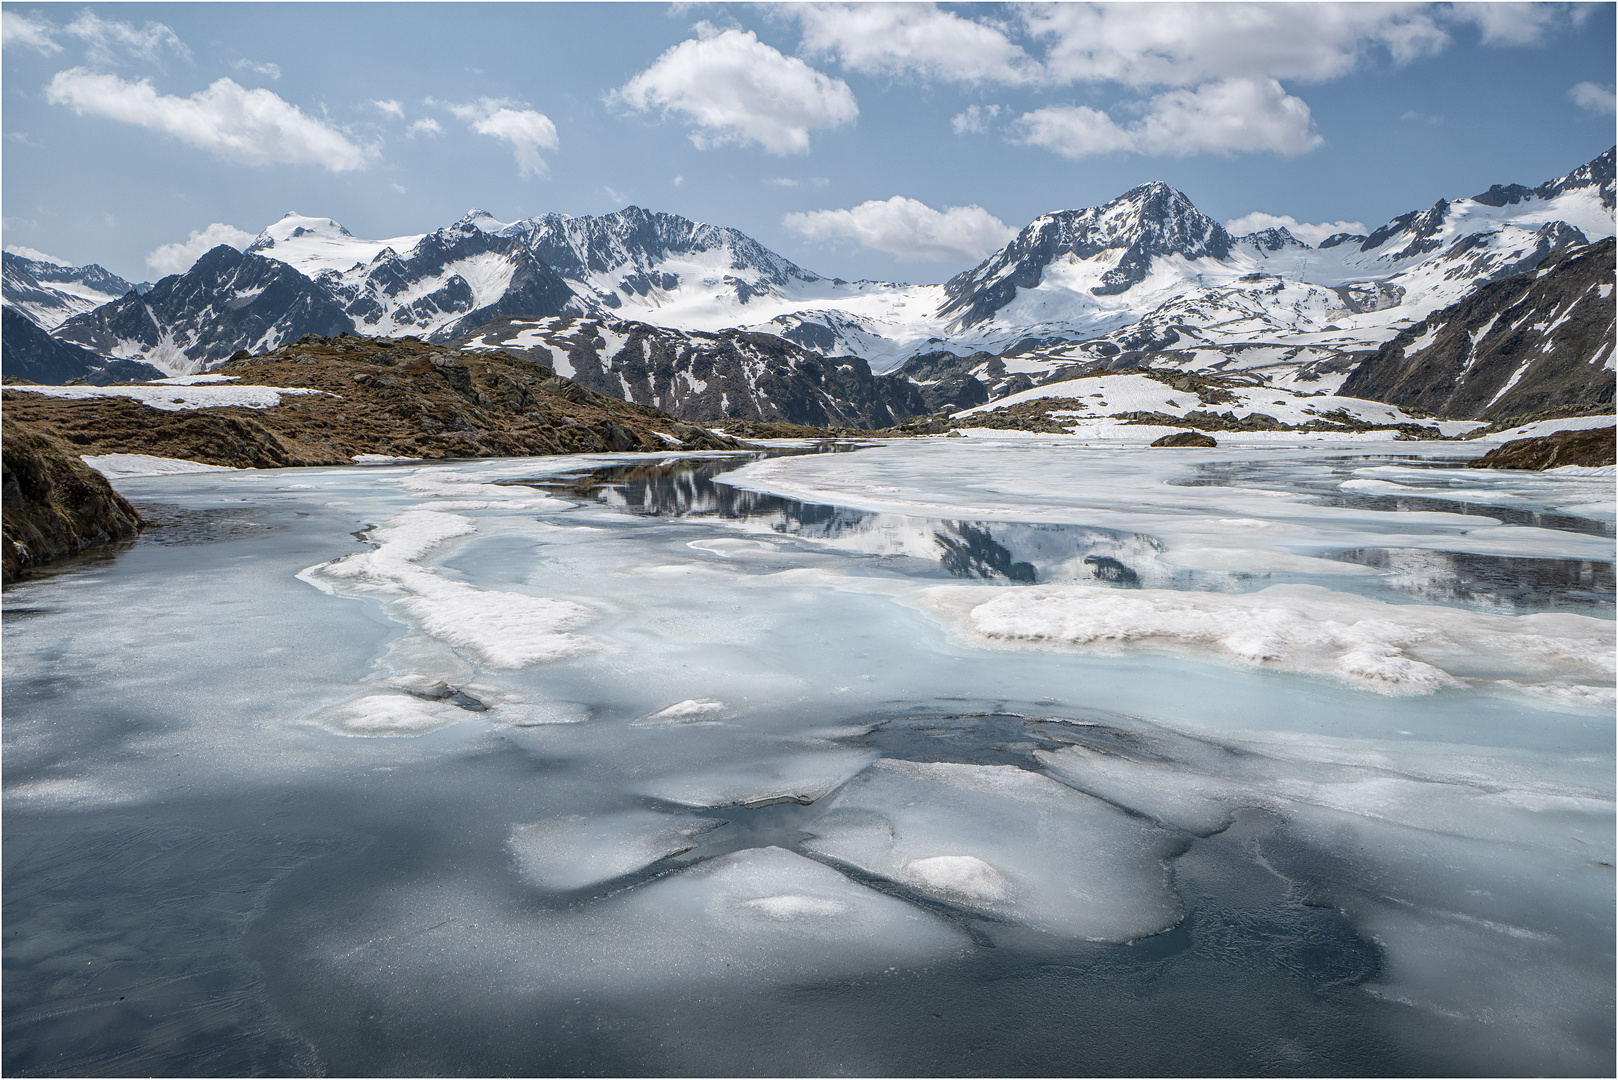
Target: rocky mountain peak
1151,221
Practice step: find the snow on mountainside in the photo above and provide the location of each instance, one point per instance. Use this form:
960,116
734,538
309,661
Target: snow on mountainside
1515,348
1144,280
699,375
51,293
227,301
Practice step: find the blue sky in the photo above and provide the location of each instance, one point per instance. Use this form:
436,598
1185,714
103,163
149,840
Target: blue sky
896,142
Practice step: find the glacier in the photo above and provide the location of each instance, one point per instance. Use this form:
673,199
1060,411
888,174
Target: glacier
991,755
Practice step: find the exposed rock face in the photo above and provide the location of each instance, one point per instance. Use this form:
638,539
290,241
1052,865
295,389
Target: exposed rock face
1594,447
53,504
1151,220
227,301
725,375
452,280
399,397
50,294
1187,438
28,352
1518,347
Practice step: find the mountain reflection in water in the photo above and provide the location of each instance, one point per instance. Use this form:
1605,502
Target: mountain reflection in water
1017,552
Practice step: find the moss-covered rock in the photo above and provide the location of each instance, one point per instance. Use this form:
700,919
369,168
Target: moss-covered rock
54,504
1592,447
1187,438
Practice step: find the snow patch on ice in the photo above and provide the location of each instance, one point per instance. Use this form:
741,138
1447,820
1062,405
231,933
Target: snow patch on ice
117,466
1394,649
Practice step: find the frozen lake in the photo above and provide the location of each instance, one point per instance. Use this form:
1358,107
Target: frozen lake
962,756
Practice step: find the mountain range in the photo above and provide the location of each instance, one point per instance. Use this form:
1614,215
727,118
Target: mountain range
705,322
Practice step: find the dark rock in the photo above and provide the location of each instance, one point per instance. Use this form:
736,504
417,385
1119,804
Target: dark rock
1187,438
28,352
1591,447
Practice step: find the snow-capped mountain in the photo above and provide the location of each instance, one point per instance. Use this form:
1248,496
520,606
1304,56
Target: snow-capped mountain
28,352
701,375
1144,280
51,293
226,302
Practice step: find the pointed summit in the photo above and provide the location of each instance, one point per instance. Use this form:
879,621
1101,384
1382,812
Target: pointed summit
1151,221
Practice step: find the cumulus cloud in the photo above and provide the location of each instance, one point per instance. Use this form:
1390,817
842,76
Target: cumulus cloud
902,39
389,108
1308,232
908,229
35,254
20,30
1587,95
250,127
425,126
267,69
1187,44
1511,24
975,120
106,40
730,87
1221,117
527,131
176,258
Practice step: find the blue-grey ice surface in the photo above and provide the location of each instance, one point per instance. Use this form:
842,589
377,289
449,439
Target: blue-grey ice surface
940,757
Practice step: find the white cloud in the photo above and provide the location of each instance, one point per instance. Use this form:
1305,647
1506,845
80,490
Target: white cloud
389,108
35,254
613,194
975,120
1510,24
176,258
1308,232
425,126
733,88
1227,116
1411,116
1587,95
29,33
901,39
105,39
527,131
251,127
908,229
268,69
400,188
1186,44
678,180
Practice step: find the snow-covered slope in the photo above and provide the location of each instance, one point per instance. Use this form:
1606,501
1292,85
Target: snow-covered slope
700,375
51,293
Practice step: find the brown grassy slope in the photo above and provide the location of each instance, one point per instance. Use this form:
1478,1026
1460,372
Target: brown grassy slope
53,504
400,397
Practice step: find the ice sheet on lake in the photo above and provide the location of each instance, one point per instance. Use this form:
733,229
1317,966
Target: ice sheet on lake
788,777
574,852
1396,649
392,715
502,629
1005,842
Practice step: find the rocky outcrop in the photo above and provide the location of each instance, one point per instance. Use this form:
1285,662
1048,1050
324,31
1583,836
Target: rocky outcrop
53,504
1591,447
1186,438
399,397
1535,342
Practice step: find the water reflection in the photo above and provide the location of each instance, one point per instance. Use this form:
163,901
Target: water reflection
1322,481
1500,583
1023,553
1027,553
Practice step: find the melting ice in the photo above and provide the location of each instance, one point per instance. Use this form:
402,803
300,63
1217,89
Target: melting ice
1264,759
